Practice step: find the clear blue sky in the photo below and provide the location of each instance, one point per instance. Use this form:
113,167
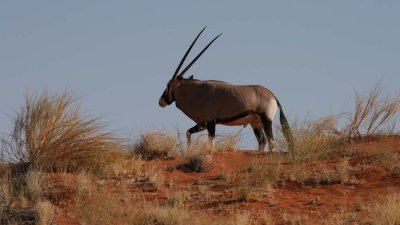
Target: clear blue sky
119,55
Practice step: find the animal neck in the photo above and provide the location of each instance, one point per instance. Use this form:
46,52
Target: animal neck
184,91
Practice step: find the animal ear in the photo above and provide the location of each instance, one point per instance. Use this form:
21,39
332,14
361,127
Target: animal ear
191,77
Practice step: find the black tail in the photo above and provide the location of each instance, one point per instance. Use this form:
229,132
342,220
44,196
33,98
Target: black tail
286,128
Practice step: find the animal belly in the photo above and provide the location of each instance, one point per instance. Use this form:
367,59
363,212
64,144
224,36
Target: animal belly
239,122
252,119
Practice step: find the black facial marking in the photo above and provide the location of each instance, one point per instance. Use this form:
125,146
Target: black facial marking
166,96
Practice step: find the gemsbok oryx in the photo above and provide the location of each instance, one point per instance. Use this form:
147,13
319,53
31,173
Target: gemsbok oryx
212,102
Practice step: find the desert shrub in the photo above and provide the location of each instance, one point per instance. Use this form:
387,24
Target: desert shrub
197,160
374,114
155,144
312,141
49,132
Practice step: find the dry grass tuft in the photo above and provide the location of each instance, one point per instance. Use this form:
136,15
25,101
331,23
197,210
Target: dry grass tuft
242,218
178,198
45,212
36,185
387,212
265,175
373,113
155,144
227,143
266,219
197,161
312,142
50,133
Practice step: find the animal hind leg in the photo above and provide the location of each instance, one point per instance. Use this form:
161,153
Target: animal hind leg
260,135
267,123
256,124
195,129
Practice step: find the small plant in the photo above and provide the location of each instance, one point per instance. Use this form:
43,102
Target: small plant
265,175
342,168
245,191
196,161
314,201
359,205
177,198
156,144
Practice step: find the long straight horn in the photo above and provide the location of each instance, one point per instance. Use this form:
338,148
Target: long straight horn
186,54
198,56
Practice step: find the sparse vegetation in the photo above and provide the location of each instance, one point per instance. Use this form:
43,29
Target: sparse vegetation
65,162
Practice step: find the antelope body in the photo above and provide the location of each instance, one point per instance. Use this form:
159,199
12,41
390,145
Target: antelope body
213,102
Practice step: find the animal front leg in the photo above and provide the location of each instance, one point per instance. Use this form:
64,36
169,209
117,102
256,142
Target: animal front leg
195,129
211,132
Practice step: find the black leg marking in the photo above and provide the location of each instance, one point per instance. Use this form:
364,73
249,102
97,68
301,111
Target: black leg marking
195,129
211,128
260,137
267,123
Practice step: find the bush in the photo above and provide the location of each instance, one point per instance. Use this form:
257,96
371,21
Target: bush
49,132
373,113
155,144
312,142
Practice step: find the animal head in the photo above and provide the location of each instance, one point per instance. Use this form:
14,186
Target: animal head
168,97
